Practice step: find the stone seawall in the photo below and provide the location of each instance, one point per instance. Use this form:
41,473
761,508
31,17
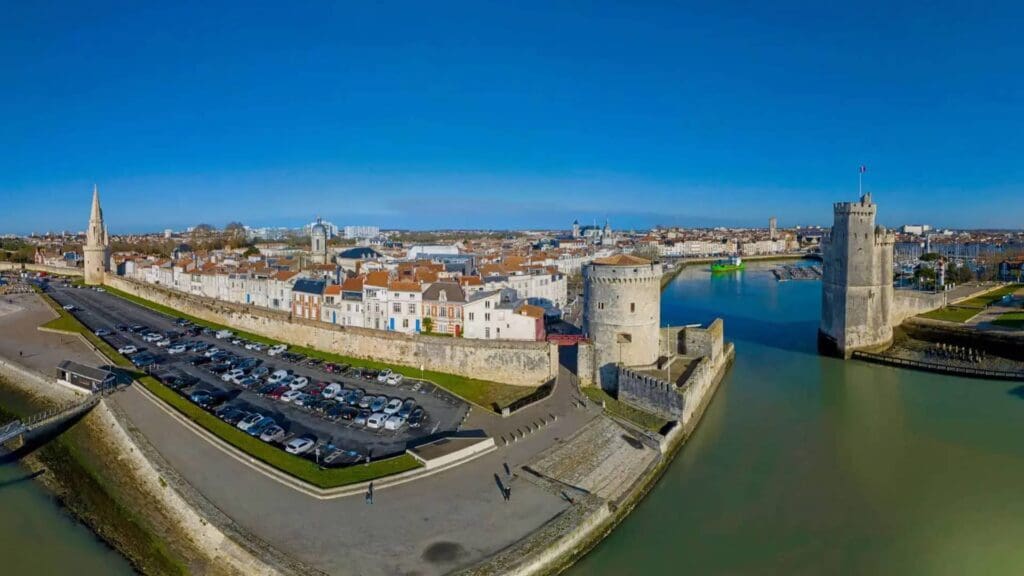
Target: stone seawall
150,493
42,268
506,361
910,303
1006,343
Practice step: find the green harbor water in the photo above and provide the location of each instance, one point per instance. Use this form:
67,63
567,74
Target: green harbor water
37,536
811,465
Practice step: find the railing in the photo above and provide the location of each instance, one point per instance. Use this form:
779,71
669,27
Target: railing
940,368
18,427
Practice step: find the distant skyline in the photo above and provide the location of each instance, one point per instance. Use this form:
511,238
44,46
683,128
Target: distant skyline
486,115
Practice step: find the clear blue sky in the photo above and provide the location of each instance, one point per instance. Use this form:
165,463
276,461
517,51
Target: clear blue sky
485,114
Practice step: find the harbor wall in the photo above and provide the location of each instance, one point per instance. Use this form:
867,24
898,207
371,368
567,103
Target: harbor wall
910,303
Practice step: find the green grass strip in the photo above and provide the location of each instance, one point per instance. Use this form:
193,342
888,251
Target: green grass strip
1010,320
618,408
485,394
68,323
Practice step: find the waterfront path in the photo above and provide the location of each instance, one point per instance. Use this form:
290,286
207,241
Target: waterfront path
431,526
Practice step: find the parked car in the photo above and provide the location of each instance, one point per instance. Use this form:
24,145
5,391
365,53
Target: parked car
251,345
300,445
272,434
332,390
153,337
394,379
101,332
416,418
177,349
127,349
394,422
348,413
306,400
378,403
383,376
275,350
181,382
393,406
361,418
121,327
210,352
375,421
249,421
200,347
247,382
232,374
143,359
278,376
298,383
407,407
69,307
290,395
352,397
222,334
366,400
163,343
260,372
198,360
276,393
260,427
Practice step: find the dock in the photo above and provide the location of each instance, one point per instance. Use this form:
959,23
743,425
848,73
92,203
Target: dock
788,272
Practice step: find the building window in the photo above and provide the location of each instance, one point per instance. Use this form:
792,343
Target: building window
487,332
405,323
396,308
443,312
487,317
600,305
632,306
470,316
412,308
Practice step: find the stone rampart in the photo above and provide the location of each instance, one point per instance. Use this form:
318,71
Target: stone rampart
506,361
651,394
908,304
60,270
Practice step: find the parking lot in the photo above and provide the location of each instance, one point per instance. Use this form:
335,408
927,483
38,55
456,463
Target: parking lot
338,426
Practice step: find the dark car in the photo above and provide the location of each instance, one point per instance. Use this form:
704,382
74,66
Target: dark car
231,415
121,327
143,359
182,382
218,368
210,400
416,418
314,362
370,374
266,389
348,413
198,360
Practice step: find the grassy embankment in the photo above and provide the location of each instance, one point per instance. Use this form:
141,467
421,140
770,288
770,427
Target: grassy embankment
1010,320
73,471
485,394
615,407
964,311
293,465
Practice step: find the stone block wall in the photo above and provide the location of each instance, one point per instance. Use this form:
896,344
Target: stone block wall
60,270
907,304
585,364
707,342
510,362
650,394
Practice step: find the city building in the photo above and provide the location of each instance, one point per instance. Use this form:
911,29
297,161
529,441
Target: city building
318,243
442,305
404,301
356,232
308,298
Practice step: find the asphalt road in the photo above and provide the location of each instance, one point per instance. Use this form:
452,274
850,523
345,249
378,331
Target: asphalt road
444,411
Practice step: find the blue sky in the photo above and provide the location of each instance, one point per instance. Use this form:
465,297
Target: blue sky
509,114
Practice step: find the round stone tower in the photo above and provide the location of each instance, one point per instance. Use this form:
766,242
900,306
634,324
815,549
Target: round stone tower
318,240
621,314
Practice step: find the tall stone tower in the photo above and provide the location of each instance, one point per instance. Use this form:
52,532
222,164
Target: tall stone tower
621,314
318,241
575,228
773,228
97,243
856,286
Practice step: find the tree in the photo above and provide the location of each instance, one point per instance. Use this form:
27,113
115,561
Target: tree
648,252
234,234
428,325
251,251
930,257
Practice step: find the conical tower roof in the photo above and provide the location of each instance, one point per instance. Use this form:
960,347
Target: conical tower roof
97,212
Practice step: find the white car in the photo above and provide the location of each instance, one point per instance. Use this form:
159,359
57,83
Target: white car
298,383
394,422
300,445
251,346
163,343
272,434
177,349
69,306
232,375
211,352
100,290
383,376
153,337
393,407
275,350
331,390
222,334
129,349
290,395
277,376
394,379
249,421
375,421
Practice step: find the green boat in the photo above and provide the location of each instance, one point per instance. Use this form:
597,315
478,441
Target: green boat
728,264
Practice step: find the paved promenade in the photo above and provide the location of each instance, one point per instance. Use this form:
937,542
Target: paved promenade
431,526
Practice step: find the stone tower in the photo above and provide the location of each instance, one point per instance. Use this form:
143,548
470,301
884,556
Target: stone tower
575,228
318,240
97,244
621,315
856,287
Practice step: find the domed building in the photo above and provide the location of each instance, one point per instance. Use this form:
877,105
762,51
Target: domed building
318,242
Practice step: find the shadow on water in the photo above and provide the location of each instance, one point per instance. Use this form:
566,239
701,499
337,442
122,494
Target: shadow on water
1017,391
796,336
20,479
36,439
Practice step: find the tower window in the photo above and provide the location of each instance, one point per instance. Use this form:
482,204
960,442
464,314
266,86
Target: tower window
632,306
600,305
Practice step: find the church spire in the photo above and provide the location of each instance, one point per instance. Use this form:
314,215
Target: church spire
97,212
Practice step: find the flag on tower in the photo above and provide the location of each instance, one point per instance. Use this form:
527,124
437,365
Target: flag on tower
863,168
